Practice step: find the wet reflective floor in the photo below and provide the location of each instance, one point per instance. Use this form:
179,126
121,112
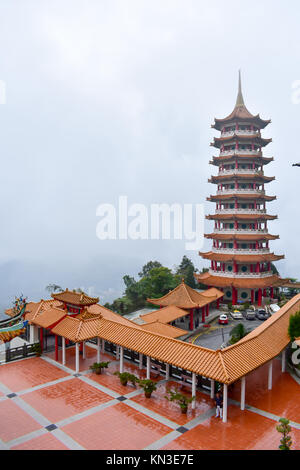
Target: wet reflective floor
44,405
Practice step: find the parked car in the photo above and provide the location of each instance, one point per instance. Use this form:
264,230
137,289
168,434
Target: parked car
236,315
250,314
261,314
223,319
273,308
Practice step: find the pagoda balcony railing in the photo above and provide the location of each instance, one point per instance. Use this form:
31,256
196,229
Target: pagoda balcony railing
240,132
231,274
240,230
240,191
240,171
241,251
241,211
224,153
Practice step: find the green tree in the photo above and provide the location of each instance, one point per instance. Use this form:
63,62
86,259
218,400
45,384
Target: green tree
186,270
147,268
237,333
284,428
274,269
294,326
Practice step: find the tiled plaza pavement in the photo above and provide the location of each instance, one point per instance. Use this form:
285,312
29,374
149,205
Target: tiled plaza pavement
44,405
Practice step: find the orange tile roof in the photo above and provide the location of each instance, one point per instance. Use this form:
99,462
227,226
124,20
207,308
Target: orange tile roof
226,366
240,176
224,236
240,217
35,308
165,315
49,317
75,298
241,258
247,282
184,296
178,353
261,345
217,197
164,329
258,158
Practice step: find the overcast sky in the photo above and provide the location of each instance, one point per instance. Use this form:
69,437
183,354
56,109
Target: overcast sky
110,98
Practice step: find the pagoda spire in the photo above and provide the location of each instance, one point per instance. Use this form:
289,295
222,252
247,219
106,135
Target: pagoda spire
240,99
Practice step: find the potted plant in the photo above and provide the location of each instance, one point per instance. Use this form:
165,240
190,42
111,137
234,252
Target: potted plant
182,400
148,385
123,376
98,366
133,379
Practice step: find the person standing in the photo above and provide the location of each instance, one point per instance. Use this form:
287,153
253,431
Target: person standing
219,405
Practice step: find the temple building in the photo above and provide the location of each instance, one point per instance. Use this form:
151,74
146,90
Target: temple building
240,256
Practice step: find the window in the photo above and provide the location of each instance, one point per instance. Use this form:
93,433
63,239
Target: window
244,269
244,295
228,293
229,268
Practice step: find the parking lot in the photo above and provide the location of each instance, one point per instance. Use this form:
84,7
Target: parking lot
216,335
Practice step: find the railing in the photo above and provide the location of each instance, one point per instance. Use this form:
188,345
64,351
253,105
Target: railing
240,274
240,171
241,211
241,251
20,352
241,132
240,230
224,153
240,191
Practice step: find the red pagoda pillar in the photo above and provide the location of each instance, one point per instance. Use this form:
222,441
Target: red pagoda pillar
203,314
259,297
56,347
191,319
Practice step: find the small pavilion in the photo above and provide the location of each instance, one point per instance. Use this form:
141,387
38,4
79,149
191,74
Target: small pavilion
183,301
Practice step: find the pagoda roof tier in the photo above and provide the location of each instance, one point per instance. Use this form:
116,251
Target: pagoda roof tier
185,297
232,216
240,114
227,158
225,236
242,282
255,139
79,299
255,258
258,177
256,196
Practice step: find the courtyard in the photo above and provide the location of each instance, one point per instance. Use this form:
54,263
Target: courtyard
45,405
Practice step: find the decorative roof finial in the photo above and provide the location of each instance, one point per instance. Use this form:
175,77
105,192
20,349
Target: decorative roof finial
240,99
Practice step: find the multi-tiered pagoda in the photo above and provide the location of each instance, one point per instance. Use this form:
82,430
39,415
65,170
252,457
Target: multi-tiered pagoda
240,256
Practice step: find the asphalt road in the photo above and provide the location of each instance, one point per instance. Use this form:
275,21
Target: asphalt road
215,336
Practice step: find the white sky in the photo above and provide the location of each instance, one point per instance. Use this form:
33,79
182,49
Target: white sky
109,98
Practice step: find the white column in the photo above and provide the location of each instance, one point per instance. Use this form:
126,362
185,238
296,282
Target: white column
270,372
148,367
167,371
283,361
225,402
98,350
212,389
243,392
117,353
83,350
63,341
77,358
103,346
194,390
121,359
141,361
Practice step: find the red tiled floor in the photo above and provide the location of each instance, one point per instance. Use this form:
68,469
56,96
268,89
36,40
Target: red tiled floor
14,422
108,379
159,404
84,364
116,427
28,373
44,442
65,399
244,430
284,398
